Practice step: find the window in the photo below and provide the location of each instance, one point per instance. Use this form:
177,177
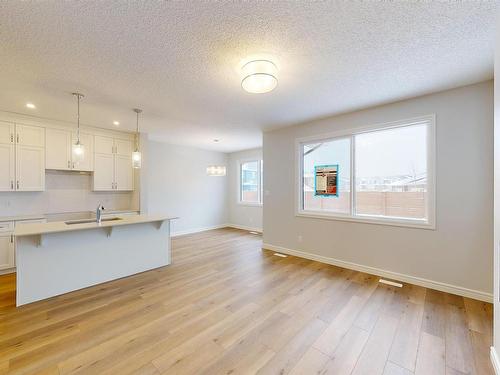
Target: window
383,174
251,182
333,152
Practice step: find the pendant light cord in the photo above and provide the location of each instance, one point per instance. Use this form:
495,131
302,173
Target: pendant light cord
78,97
137,111
78,122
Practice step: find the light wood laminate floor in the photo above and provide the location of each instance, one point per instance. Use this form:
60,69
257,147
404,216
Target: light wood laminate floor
227,307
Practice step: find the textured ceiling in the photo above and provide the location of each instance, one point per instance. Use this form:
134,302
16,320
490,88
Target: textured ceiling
179,61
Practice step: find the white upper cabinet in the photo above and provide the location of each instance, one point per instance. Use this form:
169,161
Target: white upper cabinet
58,150
124,173
104,177
104,145
28,135
123,147
116,152
7,156
30,168
22,157
7,132
7,167
26,151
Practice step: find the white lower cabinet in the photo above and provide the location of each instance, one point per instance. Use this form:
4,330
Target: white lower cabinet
8,242
6,251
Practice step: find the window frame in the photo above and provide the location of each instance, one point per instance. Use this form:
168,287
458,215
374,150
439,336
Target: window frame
430,223
259,162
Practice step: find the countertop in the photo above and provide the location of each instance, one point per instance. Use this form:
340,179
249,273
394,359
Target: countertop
61,226
62,216
22,217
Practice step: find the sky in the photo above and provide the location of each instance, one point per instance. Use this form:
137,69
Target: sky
390,152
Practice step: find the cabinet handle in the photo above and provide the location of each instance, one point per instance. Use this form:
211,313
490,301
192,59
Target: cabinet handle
11,184
17,184
11,238
11,138
73,166
18,138
69,166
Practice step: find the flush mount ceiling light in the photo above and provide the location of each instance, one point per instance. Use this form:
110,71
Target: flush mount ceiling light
259,76
116,123
30,105
77,148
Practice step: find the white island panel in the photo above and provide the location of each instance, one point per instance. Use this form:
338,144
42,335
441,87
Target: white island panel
76,259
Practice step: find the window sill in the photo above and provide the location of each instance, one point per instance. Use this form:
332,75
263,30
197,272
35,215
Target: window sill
419,224
250,204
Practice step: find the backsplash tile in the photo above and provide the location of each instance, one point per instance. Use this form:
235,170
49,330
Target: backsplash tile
64,192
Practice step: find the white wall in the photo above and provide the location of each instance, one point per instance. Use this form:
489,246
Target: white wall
64,192
459,252
176,184
241,215
496,325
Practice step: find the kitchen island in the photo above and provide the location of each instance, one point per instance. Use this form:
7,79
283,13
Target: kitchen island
59,257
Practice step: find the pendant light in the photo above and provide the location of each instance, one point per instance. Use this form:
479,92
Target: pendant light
78,150
136,155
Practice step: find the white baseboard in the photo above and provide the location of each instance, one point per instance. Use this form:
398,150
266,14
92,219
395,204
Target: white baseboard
243,227
220,226
494,360
197,230
7,271
443,287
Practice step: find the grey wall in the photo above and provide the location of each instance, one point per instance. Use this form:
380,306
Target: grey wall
459,252
244,216
177,185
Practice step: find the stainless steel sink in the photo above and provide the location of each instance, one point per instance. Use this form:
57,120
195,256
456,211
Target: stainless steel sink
88,221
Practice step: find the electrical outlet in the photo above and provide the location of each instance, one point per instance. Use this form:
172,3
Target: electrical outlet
299,238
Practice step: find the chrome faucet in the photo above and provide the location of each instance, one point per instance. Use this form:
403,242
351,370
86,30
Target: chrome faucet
100,208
